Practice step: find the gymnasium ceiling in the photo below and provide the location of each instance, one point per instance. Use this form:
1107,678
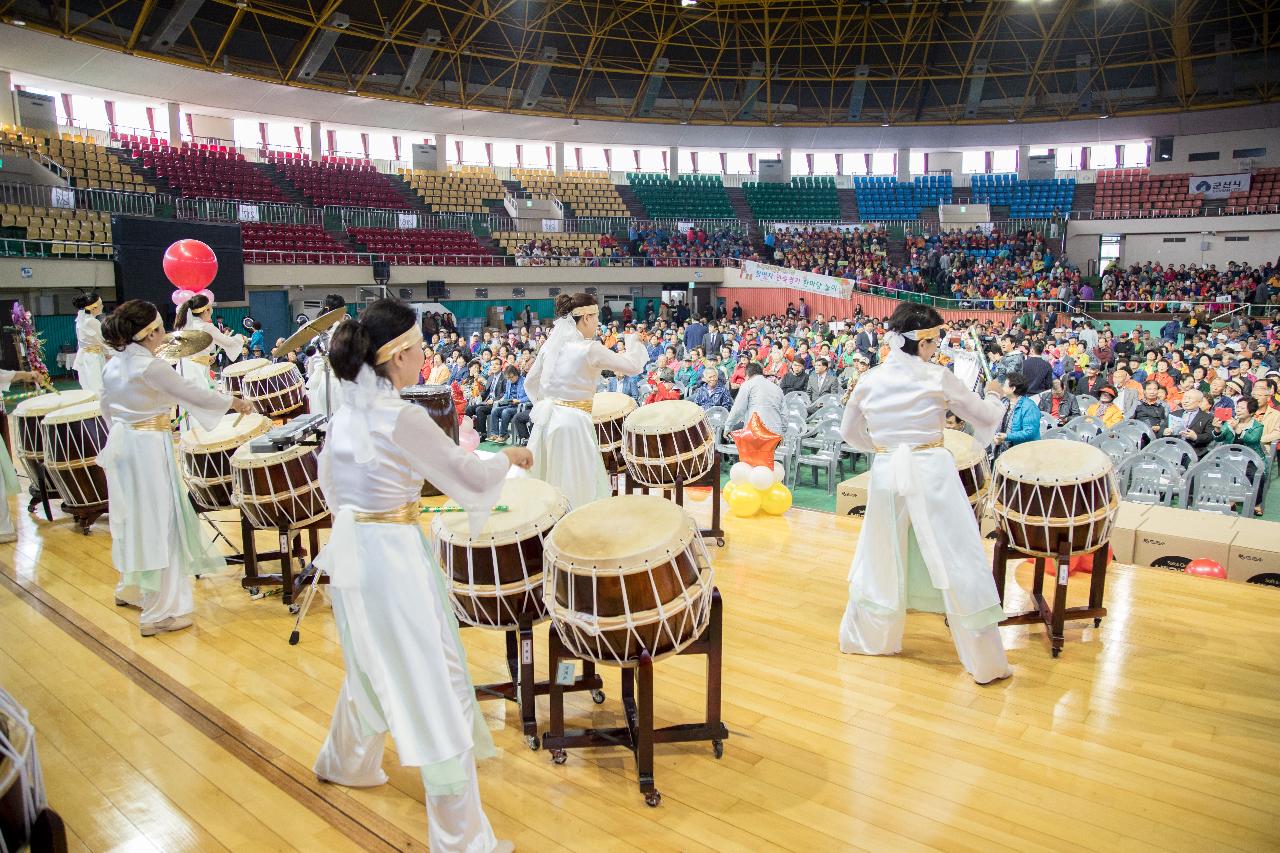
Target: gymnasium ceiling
719,62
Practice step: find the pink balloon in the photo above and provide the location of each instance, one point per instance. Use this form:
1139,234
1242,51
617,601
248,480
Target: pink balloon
468,438
207,294
190,265
180,296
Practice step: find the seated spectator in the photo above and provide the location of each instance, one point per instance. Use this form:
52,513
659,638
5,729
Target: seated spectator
1060,404
435,371
710,392
1245,429
664,389
1150,410
821,382
795,379
510,397
1193,422
757,396
1105,408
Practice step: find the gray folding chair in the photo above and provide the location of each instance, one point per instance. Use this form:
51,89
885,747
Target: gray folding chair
1063,434
1140,432
827,401
1085,401
801,397
1114,445
1176,450
787,453
1086,426
1148,478
827,457
1220,485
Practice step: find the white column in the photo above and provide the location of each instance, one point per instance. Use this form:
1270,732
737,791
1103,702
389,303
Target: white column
559,159
317,142
442,151
786,164
1024,166
904,165
8,106
673,162
175,123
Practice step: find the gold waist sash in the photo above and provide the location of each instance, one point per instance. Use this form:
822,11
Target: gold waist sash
930,446
93,348
580,405
407,514
159,423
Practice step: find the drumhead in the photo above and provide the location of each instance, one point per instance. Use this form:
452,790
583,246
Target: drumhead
963,447
226,435
1053,461
273,370
240,368
244,457
611,405
533,507
624,534
663,417
36,407
78,412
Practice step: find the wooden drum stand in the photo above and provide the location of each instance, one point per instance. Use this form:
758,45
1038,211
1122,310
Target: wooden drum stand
1052,616
711,478
290,547
523,688
638,733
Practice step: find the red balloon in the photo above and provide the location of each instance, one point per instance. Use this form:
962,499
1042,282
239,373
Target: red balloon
190,265
1206,568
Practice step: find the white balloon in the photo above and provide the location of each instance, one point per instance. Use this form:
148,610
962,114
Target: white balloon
761,477
779,473
740,473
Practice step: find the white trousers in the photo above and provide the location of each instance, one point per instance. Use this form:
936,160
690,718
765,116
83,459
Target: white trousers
173,598
865,633
351,757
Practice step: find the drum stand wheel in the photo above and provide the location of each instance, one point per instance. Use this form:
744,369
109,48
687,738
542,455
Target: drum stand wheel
638,733
85,516
1052,614
523,688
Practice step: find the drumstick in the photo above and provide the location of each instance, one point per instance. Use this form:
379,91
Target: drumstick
426,509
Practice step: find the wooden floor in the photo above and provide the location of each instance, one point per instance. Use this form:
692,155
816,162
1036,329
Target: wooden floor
1157,731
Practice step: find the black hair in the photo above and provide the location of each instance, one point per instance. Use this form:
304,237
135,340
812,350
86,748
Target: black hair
754,369
355,343
1017,382
1250,404
912,317
566,303
333,302
84,300
129,318
194,305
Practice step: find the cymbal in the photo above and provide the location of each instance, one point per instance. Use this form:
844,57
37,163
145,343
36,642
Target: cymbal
182,344
309,331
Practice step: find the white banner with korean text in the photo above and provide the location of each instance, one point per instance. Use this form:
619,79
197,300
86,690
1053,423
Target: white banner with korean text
1218,186
823,285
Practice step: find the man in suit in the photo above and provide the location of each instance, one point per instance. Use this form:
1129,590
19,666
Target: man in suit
867,343
1060,404
757,396
1037,370
713,341
1197,420
694,335
821,381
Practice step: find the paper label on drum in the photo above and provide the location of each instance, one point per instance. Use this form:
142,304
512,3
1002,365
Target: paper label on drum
526,652
1062,573
566,673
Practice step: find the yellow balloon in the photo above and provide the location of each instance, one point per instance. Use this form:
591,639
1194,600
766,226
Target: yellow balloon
777,499
745,501
727,492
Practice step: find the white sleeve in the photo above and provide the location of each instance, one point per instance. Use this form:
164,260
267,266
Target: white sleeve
984,415
472,482
6,378
533,381
853,426
626,363
738,414
93,332
232,345
205,405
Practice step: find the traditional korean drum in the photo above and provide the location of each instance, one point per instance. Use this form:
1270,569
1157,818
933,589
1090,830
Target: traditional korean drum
627,574
608,410
1045,494
206,457
73,438
438,401
971,462
28,440
277,390
665,441
278,489
495,577
233,374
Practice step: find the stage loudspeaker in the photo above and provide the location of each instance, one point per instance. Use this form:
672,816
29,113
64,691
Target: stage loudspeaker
381,272
436,290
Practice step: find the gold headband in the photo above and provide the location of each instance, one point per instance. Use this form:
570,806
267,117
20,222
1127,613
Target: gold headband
585,310
397,344
924,334
149,328
97,303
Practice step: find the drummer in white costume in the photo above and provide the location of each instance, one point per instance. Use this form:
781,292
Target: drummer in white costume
561,384
156,540
90,351
8,476
195,315
321,399
406,670
919,548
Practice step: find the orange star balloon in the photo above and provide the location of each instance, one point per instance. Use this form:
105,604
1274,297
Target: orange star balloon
755,442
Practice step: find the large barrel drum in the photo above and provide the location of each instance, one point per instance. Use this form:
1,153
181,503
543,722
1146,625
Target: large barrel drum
438,402
206,457
666,441
278,489
73,438
28,438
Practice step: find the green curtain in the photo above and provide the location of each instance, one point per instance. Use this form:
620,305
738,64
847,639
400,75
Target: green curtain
57,331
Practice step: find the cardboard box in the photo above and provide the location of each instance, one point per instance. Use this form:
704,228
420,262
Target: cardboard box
1170,538
851,495
1255,552
1124,534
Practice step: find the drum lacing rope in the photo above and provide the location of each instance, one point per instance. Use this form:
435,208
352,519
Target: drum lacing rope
26,768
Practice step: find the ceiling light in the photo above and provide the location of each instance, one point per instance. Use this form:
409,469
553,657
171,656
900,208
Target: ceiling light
684,122
1104,115
1011,120
241,4
884,124
428,104
18,22
687,3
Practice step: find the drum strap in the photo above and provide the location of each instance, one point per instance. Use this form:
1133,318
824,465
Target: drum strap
930,446
407,514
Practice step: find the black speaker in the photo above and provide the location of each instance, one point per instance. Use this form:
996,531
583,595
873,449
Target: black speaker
1163,149
436,290
381,272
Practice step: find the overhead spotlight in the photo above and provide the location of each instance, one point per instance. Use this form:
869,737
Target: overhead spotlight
884,124
351,91
687,3
18,22
1011,120
428,104
1105,115
684,122
241,4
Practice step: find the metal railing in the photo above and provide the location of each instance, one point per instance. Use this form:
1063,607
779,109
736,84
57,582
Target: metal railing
1178,213
235,210
284,256
13,247
366,217
38,156
109,201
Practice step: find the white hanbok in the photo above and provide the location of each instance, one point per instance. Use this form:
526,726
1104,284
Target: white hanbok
563,439
90,352
324,391
8,475
156,539
406,671
919,548
196,366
